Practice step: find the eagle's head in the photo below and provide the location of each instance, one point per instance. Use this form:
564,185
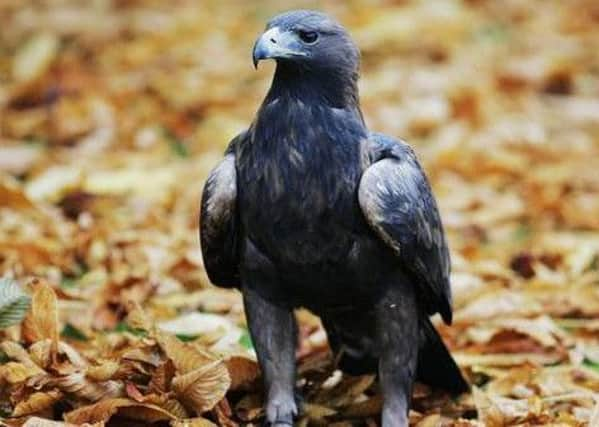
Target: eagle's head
309,41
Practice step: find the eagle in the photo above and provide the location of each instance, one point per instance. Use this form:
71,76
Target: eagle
309,208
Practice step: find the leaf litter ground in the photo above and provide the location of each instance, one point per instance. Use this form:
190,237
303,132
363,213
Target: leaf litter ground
111,114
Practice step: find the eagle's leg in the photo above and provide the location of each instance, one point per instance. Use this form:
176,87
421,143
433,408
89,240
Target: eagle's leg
274,333
397,335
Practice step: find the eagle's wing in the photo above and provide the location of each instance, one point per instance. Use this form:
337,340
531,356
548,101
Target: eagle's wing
219,222
397,202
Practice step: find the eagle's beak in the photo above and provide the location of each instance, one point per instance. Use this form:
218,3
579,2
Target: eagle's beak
276,44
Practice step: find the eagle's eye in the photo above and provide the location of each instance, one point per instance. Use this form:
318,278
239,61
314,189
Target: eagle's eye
308,37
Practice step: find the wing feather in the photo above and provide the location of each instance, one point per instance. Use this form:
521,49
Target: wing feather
397,202
218,224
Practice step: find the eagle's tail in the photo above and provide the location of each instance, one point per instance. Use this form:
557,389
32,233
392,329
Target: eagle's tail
352,342
436,367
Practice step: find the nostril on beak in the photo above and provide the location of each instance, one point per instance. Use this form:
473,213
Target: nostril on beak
273,41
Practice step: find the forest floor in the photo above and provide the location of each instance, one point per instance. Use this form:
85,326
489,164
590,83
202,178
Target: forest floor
113,111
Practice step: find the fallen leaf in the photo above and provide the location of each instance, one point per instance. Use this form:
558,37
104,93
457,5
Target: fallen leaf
41,321
104,410
37,402
244,372
203,387
34,57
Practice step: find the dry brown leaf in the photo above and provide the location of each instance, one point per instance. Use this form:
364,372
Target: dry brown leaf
174,407
78,385
104,371
41,352
147,355
37,402
162,377
11,194
244,372
104,410
224,414
138,318
41,321
203,387
186,357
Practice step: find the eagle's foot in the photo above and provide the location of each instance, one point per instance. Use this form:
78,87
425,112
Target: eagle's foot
280,411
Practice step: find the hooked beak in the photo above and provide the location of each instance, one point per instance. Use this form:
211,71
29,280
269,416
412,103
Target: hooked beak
276,44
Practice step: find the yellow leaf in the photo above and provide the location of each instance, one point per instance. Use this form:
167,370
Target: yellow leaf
14,372
204,387
317,412
16,352
137,317
41,321
34,57
104,371
37,402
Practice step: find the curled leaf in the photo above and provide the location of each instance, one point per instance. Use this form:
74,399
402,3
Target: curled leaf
162,377
103,372
186,357
126,408
82,387
41,354
16,352
37,402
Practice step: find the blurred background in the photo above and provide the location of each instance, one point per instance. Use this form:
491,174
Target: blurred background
112,112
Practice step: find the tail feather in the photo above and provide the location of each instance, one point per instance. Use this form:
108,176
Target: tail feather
354,348
436,367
